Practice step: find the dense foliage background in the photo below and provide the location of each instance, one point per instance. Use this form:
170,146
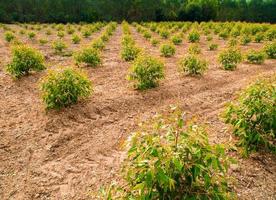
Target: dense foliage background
136,10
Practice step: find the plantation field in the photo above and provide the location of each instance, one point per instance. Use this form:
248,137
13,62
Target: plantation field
69,153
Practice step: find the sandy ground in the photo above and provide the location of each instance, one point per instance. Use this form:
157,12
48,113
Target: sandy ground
69,154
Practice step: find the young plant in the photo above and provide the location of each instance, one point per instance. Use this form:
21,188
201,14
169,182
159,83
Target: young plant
170,158
76,39
194,36
164,34
154,42
89,56
64,87
213,47
230,58
146,71
167,50
245,39
59,46
176,40
253,116
31,35
255,57
98,44
9,36
24,60
270,50
130,52
194,49
43,41
193,65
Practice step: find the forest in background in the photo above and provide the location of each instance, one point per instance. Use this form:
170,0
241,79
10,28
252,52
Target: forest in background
62,11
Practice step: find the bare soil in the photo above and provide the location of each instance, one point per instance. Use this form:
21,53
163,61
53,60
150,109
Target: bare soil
69,154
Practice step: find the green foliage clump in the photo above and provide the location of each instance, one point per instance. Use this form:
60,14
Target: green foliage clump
98,44
224,34
43,41
146,71
147,35
270,50
59,46
89,56
167,50
76,39
177,40
127,40
253,116
229,58
130,52
232,42
194,49
193,65
164,34
209,38
154,42
61,34
172,159
194,36
213,47
24,60
9,36
255,57
64,87
259,37
31,35
245,39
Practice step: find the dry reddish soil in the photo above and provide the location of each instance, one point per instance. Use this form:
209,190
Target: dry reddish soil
69,154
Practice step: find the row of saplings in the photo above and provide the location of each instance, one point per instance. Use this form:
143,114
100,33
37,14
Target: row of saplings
63,86
171,158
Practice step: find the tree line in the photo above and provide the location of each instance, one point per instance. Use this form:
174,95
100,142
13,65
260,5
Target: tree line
62,11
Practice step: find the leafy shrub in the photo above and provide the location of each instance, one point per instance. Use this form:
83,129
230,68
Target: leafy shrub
31,35
130,52
224,34
229,58
169,160
154,42
86,33
9,36
176,40
147,71
59,46
194,49
98,44
24,60
167,50
192,65
255,57
76,39
62,88
89,56
147,35
253,116
232,42
127,40
259,37
209,38
271,34
270,50
194,36
60,34
164,34
213,46
48,32
245,39
43,41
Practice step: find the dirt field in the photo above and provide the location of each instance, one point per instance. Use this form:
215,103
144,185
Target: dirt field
69,154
